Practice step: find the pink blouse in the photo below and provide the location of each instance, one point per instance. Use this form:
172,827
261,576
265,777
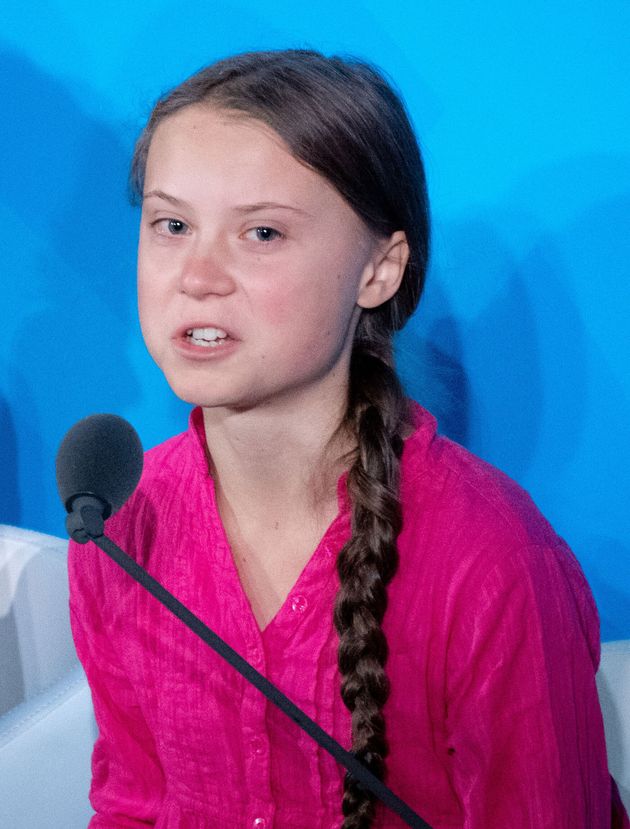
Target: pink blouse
493,719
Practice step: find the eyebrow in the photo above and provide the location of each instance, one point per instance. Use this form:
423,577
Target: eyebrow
241,208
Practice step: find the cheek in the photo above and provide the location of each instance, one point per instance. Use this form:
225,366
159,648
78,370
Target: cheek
149,309
150,283
277,307
310,324
150,275
293,309
310,300
145,302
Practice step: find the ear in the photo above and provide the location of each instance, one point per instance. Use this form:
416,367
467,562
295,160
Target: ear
384,272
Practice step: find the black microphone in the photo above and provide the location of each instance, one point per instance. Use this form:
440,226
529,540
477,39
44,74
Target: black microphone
99,464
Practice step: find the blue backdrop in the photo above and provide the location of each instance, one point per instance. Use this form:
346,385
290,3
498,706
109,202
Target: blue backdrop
521,343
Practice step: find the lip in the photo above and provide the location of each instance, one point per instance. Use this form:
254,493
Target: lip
186,349
181,331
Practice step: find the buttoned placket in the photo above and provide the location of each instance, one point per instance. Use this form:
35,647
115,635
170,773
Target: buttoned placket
255,740
256,748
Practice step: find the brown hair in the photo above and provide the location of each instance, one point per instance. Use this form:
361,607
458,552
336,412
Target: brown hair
342,118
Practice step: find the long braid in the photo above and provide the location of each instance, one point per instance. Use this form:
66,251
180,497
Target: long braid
378,410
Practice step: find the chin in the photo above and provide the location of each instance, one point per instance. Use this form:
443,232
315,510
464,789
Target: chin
192,390
199,392
196,395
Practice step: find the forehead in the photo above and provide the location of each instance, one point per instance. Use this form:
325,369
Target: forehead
233,152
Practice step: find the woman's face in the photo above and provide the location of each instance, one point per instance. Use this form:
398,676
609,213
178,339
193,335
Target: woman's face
239,238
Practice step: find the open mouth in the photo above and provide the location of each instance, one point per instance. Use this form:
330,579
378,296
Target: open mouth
207,337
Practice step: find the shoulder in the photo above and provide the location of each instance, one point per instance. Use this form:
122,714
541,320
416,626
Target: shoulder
171,466
170,478
475,533
166,453
451,484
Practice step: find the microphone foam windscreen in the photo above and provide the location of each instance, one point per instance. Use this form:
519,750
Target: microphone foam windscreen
101,455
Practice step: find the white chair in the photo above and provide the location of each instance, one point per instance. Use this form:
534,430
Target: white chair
613,685
47,726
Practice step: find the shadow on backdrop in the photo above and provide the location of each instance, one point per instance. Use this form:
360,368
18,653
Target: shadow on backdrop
430,362
72,306
470,355
9,498
609,584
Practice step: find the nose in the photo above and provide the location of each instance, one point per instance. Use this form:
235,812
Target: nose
205,273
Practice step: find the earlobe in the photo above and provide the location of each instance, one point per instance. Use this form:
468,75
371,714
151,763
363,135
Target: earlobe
385,271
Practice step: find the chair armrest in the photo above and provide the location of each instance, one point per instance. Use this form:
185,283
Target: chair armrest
613,685
45,749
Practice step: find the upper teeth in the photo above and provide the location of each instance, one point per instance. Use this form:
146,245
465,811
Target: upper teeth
206,333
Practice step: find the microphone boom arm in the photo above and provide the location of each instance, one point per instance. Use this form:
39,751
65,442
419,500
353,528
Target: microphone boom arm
85,525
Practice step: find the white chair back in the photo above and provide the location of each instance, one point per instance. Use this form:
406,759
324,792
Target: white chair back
613,685
37,647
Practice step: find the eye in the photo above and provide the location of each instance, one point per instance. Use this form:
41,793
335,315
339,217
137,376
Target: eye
265,234
172,227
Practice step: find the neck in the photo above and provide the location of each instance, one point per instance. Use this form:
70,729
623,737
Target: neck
264,459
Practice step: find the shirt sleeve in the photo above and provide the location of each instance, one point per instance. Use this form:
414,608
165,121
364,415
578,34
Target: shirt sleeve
127,787
524,725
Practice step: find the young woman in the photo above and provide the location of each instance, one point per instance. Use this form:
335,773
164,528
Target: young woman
409,597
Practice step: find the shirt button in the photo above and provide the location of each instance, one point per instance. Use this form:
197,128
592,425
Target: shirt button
299,603
258,745
259,823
